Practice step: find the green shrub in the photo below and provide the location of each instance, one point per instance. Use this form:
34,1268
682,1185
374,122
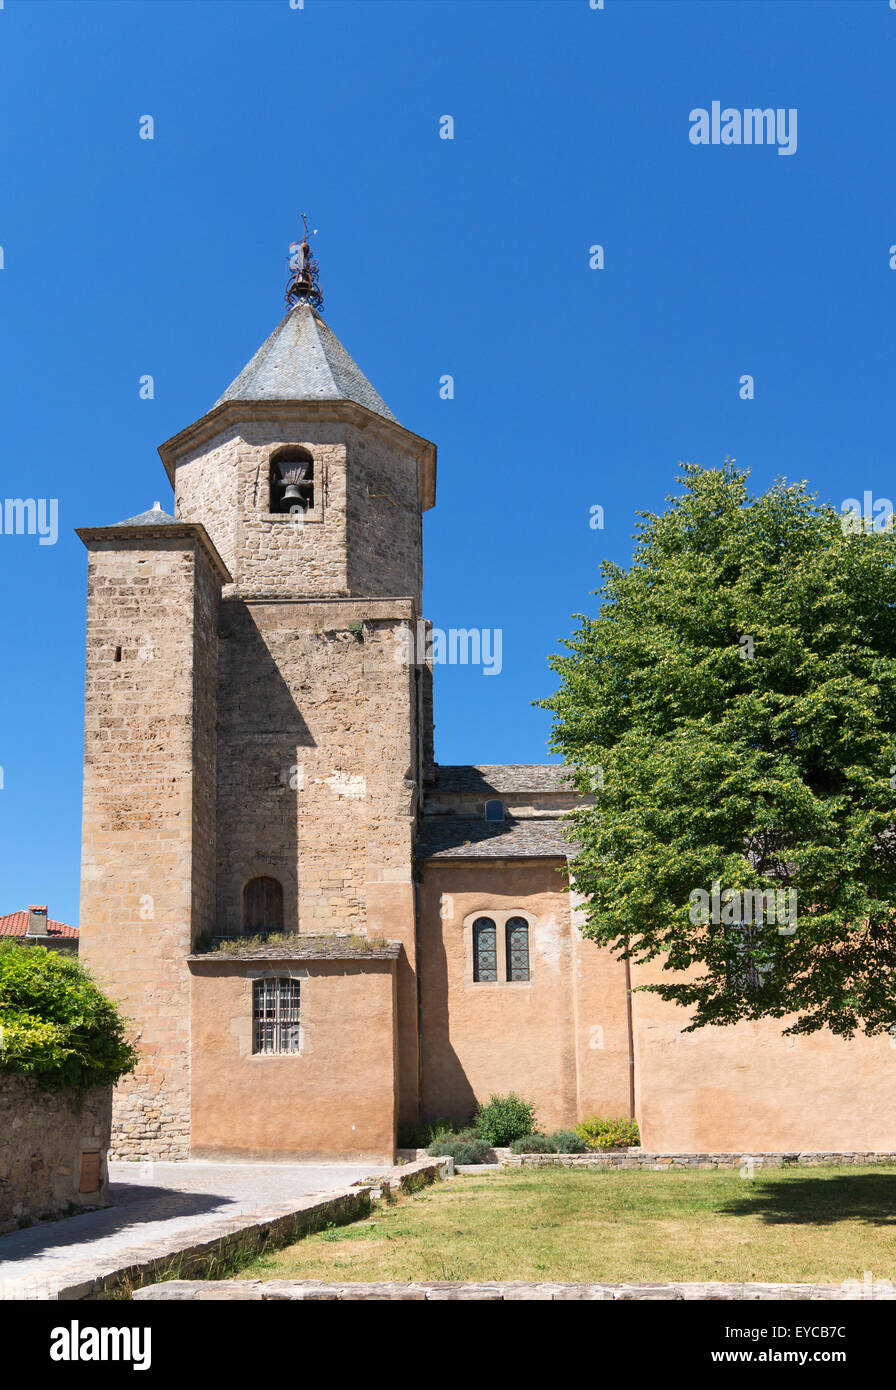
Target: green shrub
465,1147
55,1025
562,1141
534,1144
568,1142
601,1132
505,1118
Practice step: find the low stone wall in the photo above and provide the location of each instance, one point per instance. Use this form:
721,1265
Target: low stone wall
317,1291
410,1177
662,1162
497,1155
53,1150
136,1256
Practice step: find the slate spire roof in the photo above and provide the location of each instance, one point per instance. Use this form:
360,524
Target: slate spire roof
154,517
303,360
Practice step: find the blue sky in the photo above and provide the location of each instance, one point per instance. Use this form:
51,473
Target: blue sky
470,257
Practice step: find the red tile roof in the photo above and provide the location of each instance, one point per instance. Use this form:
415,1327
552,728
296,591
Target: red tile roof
16,924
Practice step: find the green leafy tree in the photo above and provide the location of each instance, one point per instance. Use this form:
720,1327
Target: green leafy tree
732,713
56,1027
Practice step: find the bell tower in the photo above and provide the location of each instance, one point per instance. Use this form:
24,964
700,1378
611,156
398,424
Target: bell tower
312,494
255,732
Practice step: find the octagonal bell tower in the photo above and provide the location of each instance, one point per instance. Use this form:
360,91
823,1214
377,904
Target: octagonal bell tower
312,494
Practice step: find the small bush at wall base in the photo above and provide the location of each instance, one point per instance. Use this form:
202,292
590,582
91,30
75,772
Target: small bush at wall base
602,1132
562,1141
465,1147
505,1118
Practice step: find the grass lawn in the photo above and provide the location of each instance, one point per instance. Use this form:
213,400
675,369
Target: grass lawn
819,1225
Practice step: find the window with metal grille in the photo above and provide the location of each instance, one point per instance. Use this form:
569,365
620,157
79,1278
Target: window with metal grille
275,1016
750,963
485,949
517,946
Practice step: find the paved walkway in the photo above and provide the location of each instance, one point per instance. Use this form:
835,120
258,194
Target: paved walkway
154,1203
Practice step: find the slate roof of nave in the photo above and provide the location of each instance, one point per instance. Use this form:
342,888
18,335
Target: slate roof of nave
507,777
469,837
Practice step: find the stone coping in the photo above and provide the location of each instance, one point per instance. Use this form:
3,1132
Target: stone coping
497,1292
165,531
663,1162
305,948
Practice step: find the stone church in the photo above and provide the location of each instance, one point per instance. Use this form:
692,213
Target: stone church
319,935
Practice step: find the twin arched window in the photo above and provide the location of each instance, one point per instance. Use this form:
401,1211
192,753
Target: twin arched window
486,945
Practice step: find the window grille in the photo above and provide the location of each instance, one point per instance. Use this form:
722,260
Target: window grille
485,950
517,944
275,1016
748,969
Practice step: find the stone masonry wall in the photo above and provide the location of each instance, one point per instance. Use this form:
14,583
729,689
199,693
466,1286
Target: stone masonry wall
316,775
42,1138
666,1162
363,534
224,484
206,620
147,755
319,743
383,520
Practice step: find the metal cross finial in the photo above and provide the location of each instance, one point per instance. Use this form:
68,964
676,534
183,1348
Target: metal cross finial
303,286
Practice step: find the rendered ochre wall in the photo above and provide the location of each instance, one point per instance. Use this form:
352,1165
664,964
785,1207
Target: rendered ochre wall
334,1099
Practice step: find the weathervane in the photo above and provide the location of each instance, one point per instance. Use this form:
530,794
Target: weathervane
303,286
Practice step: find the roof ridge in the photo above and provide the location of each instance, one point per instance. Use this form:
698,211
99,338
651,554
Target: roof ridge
7,920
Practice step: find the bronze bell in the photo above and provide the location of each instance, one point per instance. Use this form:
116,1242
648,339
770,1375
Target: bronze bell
293,501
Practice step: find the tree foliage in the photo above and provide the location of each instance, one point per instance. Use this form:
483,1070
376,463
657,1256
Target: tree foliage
55,1025
757,764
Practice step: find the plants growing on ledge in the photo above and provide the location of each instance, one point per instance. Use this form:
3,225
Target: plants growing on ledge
291,942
